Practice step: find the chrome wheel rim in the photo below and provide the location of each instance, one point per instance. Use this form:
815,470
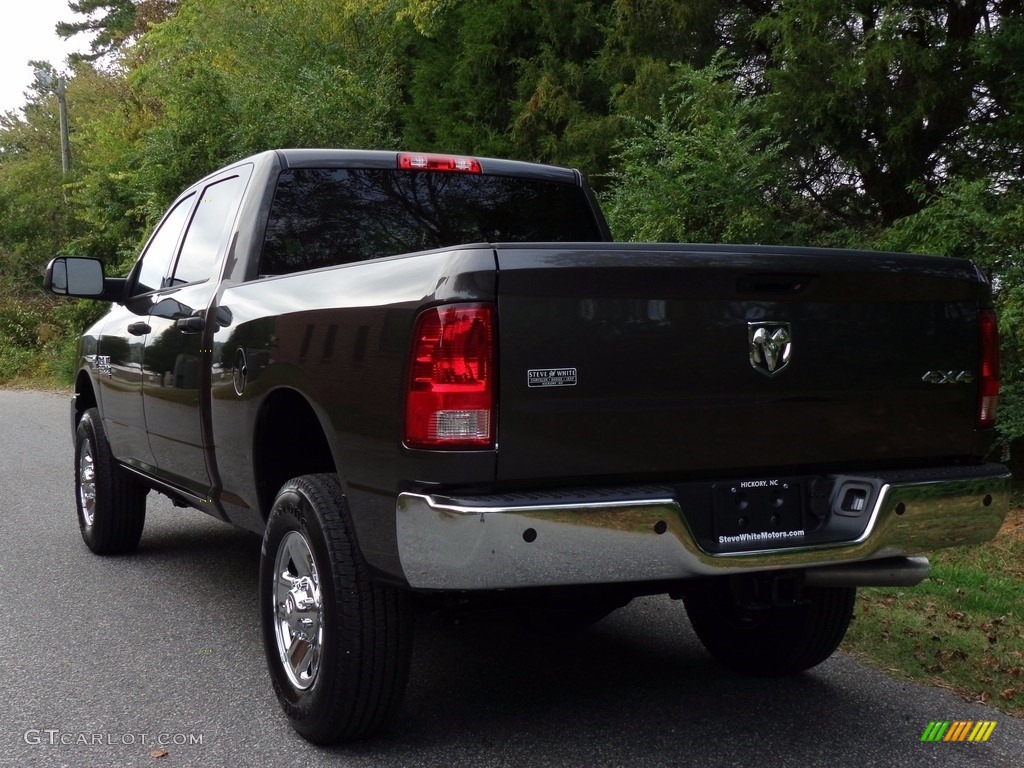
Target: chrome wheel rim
298,611
87,484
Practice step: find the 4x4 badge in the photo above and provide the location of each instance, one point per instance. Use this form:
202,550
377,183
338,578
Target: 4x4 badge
771,345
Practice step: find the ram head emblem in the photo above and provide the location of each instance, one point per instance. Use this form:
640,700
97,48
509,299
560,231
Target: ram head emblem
771,345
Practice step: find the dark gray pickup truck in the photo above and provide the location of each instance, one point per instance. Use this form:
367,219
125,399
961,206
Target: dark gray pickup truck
434,378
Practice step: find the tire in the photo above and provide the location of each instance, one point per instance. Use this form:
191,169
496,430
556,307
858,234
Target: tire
111,505
772,640
338,644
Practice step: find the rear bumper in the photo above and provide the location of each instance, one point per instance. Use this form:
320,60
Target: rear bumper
502,542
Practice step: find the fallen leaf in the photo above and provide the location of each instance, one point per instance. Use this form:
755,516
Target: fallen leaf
1008,694
157,754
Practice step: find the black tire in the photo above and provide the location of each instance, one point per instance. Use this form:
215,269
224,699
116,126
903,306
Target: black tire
770,641
337,643
111,505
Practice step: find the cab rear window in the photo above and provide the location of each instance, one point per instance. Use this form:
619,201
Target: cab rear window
322,217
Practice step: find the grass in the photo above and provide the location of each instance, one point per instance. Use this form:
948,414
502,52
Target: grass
961,629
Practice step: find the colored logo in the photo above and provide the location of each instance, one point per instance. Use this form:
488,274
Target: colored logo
958,730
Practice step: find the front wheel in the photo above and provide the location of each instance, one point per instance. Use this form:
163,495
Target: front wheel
111,506
770,640
338,644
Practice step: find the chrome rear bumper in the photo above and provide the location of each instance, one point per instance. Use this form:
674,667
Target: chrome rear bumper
483,544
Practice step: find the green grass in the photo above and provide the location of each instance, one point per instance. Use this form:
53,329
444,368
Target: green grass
961,629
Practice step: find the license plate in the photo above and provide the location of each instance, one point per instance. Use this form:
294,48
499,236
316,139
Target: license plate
758,514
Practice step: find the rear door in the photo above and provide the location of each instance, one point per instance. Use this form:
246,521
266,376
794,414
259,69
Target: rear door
178,355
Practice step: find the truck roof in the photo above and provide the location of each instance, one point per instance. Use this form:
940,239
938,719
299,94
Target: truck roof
363,158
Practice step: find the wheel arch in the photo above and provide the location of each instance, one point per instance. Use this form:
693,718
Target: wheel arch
85,395
290,439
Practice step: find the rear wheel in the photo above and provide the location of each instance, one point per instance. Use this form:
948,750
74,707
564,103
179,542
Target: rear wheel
768,640
338,644
111,505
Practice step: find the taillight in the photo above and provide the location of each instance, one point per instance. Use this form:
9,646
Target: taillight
988,392
409,161
450,399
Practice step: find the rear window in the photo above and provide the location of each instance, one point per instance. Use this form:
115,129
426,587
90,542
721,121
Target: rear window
322,217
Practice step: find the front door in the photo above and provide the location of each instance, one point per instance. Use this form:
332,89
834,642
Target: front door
118,363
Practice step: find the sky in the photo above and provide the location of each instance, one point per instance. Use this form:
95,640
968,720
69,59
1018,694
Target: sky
27,32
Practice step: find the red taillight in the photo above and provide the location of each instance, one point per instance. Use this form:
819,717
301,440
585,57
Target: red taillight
409,161
450,399
988,391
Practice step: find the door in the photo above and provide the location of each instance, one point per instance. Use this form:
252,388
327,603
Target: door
120,351
178,356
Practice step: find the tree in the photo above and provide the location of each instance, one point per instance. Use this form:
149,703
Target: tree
543,80
224,79
113,23
35,218
881,101
703,170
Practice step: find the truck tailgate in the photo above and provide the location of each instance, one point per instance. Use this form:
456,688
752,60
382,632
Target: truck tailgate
621,360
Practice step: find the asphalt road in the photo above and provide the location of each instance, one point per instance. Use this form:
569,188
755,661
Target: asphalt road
105,660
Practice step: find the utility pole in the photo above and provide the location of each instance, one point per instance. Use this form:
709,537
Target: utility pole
65,140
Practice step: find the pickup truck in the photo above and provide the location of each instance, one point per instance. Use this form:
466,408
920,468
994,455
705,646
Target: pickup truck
435,379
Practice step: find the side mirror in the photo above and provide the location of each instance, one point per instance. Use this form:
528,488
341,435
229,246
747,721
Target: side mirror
73,276
82,278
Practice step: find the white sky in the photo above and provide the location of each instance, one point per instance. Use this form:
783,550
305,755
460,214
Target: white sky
27,33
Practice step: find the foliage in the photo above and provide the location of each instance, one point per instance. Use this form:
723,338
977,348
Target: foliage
38,337
703,171
227,79
877,96
538,79
113,23
35,217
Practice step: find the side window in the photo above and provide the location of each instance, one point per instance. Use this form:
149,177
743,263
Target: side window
210,227
157,258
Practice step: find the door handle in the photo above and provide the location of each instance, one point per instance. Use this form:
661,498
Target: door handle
192,324
139,329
